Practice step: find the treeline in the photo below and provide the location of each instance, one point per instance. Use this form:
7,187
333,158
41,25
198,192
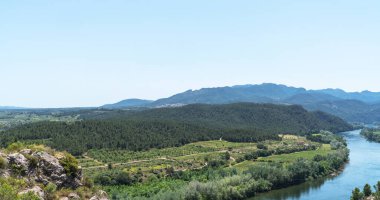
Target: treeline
78,137
327,137
168,127
371,134
229,183
367,192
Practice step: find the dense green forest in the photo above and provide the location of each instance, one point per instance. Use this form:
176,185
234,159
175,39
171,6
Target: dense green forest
250,115
234,116
166,127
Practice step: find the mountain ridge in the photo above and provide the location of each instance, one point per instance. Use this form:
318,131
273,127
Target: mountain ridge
333,101
134,102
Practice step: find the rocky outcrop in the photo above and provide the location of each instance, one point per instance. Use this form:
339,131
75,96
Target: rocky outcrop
18,162
49,169
42,169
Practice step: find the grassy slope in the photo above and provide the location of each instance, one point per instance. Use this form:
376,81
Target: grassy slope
287,158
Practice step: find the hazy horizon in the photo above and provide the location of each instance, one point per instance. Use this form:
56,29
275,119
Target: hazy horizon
90,53
20,106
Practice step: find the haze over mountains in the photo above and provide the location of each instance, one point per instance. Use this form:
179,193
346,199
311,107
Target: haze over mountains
128,103
351,106
8,107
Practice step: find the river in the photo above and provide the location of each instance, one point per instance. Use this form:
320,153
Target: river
363,167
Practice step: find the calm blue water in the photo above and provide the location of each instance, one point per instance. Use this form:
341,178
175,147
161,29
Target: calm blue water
364,167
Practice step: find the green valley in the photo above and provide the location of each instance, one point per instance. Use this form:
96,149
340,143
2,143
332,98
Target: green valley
231,151
151,174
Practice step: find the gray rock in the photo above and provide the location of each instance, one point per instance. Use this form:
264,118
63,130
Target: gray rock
102,195
96,197
51,170
73,196
26,151
3,154
17,160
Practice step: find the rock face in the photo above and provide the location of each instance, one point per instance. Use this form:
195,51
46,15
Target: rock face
42,167
18,162
50,170
39,168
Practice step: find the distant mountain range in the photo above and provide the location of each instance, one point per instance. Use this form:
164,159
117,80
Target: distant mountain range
128,103
9,108
351,106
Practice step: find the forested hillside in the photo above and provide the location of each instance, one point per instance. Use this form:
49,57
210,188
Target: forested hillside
165,127
264,117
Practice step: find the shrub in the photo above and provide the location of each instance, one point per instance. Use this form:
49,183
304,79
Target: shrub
3,163
33,161
103,179
70,164
88,182
7,192
250,156
17,146
50,189
123,178
28,196
18,170
262,146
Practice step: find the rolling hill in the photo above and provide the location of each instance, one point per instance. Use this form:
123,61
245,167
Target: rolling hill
165,127
128,103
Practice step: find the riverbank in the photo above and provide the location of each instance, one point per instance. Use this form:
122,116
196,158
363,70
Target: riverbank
230,170
371,134
363,167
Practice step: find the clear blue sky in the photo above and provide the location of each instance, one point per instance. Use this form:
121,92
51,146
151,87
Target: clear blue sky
92,52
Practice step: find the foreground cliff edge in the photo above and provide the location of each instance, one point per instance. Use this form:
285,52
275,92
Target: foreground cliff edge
36,172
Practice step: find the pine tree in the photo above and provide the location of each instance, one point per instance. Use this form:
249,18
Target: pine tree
356,194
367,190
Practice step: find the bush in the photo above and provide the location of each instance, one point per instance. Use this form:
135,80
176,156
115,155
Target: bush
88,182
33,161
7,192
264,153
17,146
103,179
261,146
50,189
18,170
123,178
250,156
28,196
3,163
70,164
